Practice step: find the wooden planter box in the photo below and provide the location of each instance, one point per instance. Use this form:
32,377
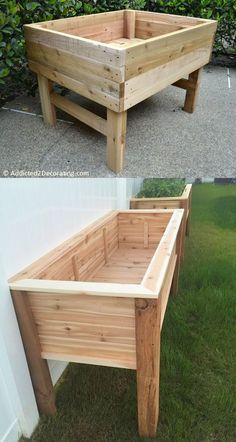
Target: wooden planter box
178,202
117,59
100,298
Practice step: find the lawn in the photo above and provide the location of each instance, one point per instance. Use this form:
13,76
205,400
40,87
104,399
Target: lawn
197,397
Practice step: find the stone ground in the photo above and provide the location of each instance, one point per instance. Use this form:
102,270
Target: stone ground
162,140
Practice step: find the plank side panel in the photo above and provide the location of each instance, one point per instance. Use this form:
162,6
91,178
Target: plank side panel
103,32
52,302
164,49
111,342
143,203
92,91
132,232
75,45
71,64
162,76
83,21
106,358
178,20
147,29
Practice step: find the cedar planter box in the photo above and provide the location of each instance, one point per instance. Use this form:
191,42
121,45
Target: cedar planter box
100,298
117,59
177,202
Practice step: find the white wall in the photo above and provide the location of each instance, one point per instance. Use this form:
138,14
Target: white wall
35,216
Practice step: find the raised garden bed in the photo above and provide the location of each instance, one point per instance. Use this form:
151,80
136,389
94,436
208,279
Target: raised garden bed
183,201
100,298
117,59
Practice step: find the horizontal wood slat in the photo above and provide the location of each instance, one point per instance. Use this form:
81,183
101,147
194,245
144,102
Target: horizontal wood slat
80,113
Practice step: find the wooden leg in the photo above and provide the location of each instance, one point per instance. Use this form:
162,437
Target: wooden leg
116,135
48,109
192,91
38,367
147,318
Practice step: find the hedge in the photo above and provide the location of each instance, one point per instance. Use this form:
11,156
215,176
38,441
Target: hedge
14,74
161,187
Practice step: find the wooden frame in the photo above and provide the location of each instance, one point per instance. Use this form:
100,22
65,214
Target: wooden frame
177,202
117,59
100,298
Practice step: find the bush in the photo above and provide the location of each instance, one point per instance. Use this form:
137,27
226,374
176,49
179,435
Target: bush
158,187
14,73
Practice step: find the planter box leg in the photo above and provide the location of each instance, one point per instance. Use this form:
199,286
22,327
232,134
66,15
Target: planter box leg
38,367
116,135
147,317
48,109
192,91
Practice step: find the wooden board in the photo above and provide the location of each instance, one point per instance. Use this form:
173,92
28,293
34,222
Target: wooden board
67,327
162,76
125,266
132,229
159,51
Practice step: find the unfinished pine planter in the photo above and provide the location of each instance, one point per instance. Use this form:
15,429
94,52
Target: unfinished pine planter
117,59
100,298
178,202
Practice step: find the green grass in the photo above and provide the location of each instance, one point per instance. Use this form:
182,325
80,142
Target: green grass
197,400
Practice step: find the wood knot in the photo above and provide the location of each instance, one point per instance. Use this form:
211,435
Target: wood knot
142,304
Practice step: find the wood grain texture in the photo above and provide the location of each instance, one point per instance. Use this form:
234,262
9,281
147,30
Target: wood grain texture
116,139
147,324
65,325
183,201
162,76
80,113
193,92
161,50
48,109
38,367
129,24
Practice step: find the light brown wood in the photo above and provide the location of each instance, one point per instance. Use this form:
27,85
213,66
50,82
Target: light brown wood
178,249
80,113
129,24
147,324
171,18
38,367
116,138
146,29
183,201
160,77
193,92
48,109
118,59
158,51
83,87
75,268
109,308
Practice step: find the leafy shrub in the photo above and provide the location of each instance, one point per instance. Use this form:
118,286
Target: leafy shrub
158,187
14,73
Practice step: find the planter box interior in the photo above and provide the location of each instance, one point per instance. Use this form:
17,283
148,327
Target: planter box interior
117,59
183,201
100,298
